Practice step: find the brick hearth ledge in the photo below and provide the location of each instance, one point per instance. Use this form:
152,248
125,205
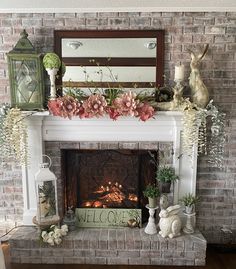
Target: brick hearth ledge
109,246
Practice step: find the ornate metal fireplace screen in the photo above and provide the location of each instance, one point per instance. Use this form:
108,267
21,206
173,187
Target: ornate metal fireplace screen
107,178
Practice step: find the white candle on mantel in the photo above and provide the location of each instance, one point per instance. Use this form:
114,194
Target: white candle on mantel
179,72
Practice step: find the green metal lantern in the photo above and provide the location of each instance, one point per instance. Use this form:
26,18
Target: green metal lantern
26,75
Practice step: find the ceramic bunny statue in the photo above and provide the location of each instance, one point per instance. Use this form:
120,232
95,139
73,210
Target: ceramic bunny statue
170,223
199,92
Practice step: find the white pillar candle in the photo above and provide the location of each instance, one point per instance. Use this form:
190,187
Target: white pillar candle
179,72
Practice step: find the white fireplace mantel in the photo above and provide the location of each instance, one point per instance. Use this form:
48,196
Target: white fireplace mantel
166,127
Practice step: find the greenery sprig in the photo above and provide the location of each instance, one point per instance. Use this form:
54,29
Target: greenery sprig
151,191
189,199
166,174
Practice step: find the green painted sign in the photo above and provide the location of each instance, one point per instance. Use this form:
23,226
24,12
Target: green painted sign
107,217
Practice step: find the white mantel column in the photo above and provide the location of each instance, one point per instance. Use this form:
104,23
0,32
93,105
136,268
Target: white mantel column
35,151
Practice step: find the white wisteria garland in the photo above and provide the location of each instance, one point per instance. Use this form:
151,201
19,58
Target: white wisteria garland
13,134
190,129
195,132
218,137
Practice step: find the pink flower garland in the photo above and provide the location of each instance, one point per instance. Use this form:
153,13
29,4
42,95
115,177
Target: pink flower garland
96,106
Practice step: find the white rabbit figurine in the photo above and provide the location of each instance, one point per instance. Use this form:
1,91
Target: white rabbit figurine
170,223
199,91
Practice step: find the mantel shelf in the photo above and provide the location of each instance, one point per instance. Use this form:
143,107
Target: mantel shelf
163,127
158,113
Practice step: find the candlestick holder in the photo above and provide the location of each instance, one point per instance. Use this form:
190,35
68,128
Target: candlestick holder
179,87
151,226
178,95
188,228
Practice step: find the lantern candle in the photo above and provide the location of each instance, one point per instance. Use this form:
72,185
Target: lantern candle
179,72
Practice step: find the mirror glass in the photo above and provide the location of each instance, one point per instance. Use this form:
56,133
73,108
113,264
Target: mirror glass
108,59
131,74
109,47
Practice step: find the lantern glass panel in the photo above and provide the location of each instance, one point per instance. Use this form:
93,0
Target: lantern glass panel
47,200
26,81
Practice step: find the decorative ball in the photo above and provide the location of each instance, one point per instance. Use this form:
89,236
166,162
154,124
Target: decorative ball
51,61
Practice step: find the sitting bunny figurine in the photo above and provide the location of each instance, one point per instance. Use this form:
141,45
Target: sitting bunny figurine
199,91
170,223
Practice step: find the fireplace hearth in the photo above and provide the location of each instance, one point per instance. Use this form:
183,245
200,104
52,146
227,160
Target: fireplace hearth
109,246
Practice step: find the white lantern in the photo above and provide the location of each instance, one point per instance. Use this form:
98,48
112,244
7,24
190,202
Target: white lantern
46,194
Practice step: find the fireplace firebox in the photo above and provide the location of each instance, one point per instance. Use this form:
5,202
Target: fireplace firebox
107,178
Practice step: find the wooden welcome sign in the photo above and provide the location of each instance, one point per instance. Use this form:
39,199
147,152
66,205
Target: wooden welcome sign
106,217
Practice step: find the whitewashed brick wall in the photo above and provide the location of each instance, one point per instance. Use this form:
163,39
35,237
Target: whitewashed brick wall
183,30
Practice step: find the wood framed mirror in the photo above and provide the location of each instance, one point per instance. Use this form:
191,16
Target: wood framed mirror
111,58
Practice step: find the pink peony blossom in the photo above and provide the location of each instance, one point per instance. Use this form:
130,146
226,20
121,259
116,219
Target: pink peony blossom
69,106
55,107
113,113
95,105
126,104
81,112
145,111
66,106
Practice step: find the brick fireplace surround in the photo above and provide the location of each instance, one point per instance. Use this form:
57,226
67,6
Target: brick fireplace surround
108,246
52,134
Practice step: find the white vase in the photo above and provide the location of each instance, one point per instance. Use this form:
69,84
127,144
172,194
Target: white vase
152,202
189,209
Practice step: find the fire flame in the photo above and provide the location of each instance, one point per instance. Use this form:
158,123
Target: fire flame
110,194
